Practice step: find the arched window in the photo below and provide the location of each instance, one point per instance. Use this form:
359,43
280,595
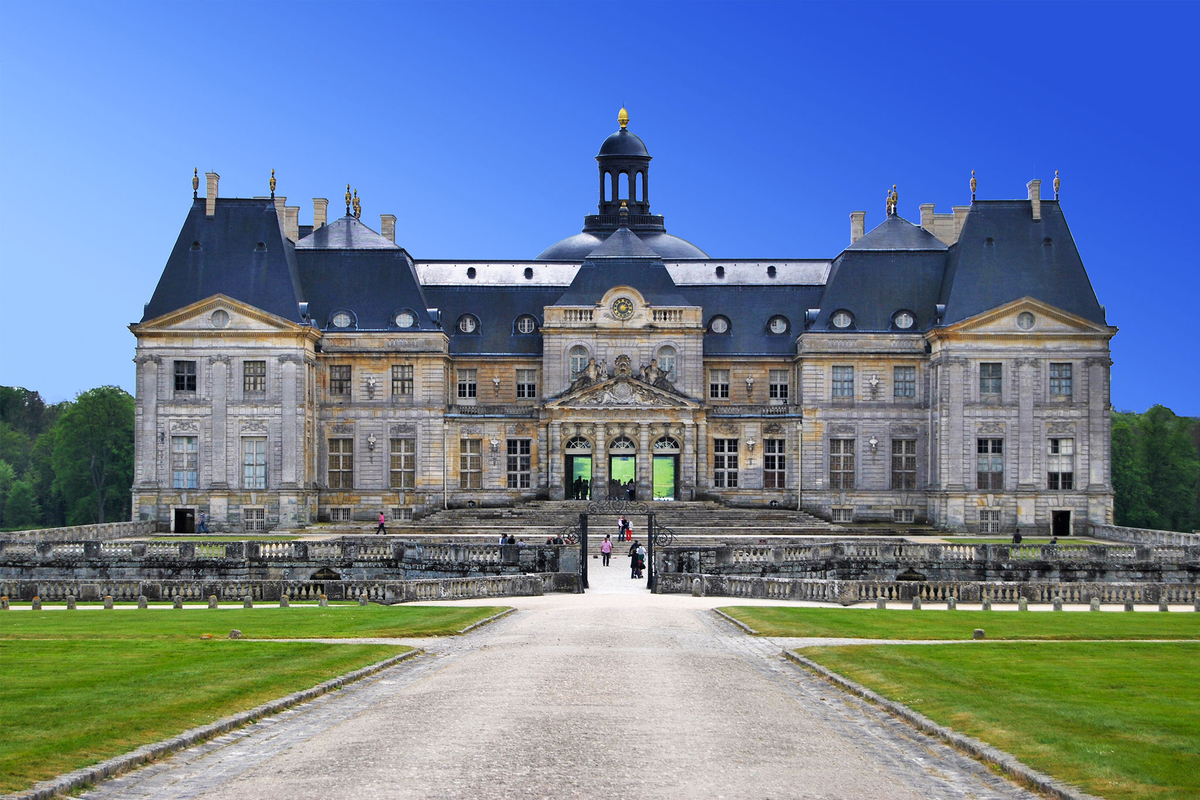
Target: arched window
622,444
666,445
624,178
579,359
639,184
579,444
666,361
526,323
468,323
608,187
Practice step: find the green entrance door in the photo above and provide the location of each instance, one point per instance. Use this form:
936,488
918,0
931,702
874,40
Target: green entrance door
664,477
579,477
622,476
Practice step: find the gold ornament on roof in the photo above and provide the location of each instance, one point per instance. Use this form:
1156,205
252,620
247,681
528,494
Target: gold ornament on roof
1057,183
272,184
895,200
195,182
623,118
357,205
973,184
347,199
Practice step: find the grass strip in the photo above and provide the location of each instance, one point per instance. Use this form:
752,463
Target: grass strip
265,622
875,623
1117,719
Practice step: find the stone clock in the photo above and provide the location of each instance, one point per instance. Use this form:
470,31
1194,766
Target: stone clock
622,308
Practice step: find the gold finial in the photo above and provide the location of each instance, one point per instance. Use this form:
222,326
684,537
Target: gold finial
973,185
887,202
272,184
623,118
1057,183
357,206
347,199
895,200
195,182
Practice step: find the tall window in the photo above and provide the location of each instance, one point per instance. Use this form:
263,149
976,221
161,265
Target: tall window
779,385
185,376
843,381
254,463
989,469
254,377
1060,464
402,466
989,520
470,464
467,387
527,384
904,383
774,464
402,380
725,463
519,463
718,383
991,379
904,463
666,361
339,380
341,463
579,360
1060,381
841,463
185,462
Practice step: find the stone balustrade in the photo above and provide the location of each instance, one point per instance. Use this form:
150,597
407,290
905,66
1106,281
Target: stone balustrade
1145,536
83,533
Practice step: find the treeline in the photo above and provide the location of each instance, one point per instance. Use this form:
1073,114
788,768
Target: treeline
70,463
1156,470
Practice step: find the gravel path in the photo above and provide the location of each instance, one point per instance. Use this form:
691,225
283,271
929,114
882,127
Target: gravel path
617,693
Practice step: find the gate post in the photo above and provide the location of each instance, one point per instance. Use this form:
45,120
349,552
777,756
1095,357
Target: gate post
650,552
583,554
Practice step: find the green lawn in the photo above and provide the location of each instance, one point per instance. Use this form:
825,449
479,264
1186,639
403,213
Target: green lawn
77,687
1116,719
942,624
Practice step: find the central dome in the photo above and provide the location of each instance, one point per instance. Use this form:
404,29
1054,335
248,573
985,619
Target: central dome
624,143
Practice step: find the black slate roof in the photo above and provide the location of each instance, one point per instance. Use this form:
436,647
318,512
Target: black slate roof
897,233
1002,255
372,285
874,285
346,233
577,247
241,252
497,309
748,309
623,260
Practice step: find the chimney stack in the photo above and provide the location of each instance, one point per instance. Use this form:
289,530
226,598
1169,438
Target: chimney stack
291,222
210,203
387,226
320,209
1035,197
858,225
927,216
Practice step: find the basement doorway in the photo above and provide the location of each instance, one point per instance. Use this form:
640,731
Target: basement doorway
1060,523
185,520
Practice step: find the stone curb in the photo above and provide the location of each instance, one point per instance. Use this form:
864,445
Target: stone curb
483,622
985,753
150,752
736,622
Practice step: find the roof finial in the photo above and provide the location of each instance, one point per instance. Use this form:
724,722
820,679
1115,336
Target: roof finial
347,199
195,182
272,184
887,202
973,185
895,200
1057,183
623,117
357,206
623,215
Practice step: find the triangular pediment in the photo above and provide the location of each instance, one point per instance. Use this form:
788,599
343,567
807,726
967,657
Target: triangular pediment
1046,320
622,392
199,316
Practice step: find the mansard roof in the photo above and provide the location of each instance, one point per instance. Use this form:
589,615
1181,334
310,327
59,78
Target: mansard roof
347,233
240,252
623,260
496,308
371,284
897,233
873,285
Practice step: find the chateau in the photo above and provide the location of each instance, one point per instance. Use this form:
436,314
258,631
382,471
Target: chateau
954,372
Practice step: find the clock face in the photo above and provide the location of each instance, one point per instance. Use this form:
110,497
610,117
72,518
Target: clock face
622,308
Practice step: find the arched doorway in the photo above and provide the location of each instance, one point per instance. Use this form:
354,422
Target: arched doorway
578,471
622,469
666,469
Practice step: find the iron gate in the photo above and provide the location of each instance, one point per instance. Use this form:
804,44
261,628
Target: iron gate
656,535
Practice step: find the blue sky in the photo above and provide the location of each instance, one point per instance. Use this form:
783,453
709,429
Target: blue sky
476,125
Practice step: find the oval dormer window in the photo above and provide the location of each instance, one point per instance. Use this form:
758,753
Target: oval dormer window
778,324
526,324
405,319
341,320
468,324
841,319
903,320
220,318
719,325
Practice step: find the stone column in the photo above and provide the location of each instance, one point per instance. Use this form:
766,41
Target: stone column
1099,439
645,464
1023,450
600,463
956,434
218,446
555,463
702,456
291,415
148,450
687,463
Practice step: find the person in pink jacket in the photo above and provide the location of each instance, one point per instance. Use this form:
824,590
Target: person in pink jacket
606,549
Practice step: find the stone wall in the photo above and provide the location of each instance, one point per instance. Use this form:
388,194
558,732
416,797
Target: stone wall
1116,533
102,532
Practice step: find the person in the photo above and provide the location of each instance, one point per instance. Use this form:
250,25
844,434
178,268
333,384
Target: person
606,549
641,560
628,531
1016,538
633,560
549,540
511,539
622,523
203,524
382,528
503,539
1053,541
558,540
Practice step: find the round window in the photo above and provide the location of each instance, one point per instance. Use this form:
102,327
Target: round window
341,320
841,319
467,324
405,319
219,318
526,324
778,325
719,325
1025,320
903,320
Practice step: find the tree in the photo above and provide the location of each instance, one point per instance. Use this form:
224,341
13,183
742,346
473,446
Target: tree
1130,503
1172,468
15,446
21,508
93,455
8,476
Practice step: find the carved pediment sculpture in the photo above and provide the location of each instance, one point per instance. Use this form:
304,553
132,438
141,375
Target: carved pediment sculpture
621,391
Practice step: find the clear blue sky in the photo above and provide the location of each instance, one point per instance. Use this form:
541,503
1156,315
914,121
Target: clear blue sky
476,124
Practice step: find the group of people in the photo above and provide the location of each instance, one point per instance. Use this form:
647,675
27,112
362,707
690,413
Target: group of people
580,489
637,551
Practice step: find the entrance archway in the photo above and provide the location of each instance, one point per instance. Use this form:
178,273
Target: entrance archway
578,472
665,472
622,469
